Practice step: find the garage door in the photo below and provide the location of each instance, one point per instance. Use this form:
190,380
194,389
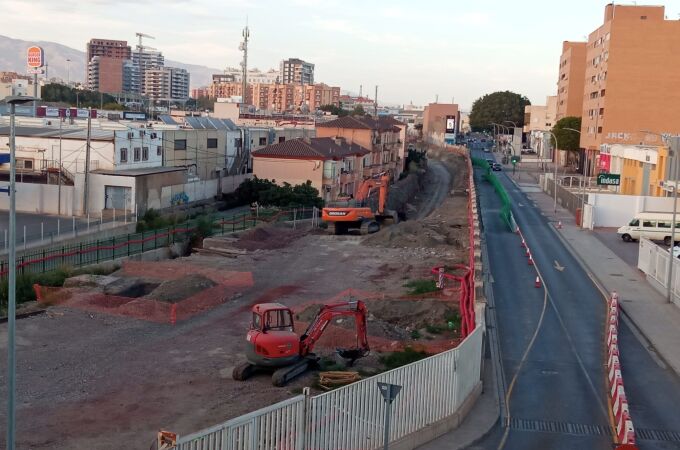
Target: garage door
116,197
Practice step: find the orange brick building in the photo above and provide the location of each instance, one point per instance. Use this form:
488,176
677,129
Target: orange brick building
571,79
278,97
631,78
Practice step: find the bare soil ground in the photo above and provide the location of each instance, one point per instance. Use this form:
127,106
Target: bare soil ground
90,377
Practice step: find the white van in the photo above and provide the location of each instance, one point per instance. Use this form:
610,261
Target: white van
655,226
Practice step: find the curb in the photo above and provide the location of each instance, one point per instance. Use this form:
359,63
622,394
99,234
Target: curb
23,315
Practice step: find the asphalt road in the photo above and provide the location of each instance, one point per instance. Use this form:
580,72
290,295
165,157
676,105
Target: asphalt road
557,387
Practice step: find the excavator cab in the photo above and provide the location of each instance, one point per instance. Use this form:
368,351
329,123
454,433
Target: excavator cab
271,338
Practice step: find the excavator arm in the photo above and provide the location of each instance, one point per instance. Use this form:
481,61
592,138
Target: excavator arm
354,308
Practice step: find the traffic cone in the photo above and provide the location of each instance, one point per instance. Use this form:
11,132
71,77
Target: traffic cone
173,314
524,244
530,261
527,253
559,224
537,283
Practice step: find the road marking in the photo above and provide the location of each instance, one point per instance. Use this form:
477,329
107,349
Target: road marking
520,205
558,267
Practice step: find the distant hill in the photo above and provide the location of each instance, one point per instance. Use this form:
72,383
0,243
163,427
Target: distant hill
13,58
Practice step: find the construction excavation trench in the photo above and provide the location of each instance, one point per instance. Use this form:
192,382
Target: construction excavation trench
154,344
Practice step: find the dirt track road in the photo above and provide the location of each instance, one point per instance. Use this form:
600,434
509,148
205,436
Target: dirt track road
437,185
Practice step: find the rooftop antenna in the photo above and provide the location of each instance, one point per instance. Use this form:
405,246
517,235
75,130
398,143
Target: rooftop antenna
360,89
375,106
244,64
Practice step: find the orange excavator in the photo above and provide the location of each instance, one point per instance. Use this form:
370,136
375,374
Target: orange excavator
274,345
358,214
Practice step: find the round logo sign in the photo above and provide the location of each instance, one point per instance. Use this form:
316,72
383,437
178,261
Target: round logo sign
35,57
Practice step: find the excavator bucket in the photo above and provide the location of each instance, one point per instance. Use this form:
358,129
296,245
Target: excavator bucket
351,354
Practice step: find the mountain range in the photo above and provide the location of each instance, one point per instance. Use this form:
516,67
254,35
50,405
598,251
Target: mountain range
13,58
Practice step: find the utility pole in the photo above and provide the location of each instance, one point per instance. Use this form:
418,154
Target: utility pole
375,105
244,64
87,163
61,120
35,94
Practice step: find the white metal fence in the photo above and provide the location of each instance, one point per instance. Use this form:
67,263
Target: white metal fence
653,261
353,416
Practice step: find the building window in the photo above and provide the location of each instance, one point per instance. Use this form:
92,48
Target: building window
643,17
26,164
263,141
159,151
602,93
123,155
145,153
238,142
212,143
599,130
137,153
180,144
282,139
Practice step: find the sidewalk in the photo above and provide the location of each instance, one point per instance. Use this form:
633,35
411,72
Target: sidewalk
650,312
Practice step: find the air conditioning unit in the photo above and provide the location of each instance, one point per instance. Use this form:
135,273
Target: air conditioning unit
153,135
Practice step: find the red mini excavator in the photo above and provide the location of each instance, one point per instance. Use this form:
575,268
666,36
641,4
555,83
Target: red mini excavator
273,345
358,213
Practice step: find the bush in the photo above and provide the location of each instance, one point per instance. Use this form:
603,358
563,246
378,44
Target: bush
268,193
417,287
204,228
153,220
398,359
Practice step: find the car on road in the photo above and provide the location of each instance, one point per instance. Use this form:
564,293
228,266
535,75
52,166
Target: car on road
487,149
496,167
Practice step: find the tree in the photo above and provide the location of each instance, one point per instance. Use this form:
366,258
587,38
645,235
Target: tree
358,111
568,140
498,107
59,93
335,110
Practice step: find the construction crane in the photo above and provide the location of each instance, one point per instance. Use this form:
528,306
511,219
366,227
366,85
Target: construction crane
273,345
140,46
358,213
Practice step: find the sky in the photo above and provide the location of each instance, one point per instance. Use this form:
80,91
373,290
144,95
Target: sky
413,50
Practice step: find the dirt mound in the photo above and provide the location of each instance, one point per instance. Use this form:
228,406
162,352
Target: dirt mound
267,238
395,319
410,234
176,290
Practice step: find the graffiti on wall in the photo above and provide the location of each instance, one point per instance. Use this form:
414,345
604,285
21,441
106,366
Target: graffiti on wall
180,198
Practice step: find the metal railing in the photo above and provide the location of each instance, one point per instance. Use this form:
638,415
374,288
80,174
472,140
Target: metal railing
353,416
95,252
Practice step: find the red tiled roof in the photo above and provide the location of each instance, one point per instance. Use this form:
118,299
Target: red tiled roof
314,148
359,123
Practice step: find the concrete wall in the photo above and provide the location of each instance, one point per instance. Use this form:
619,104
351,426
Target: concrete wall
97,191
293,171
41,198
612,210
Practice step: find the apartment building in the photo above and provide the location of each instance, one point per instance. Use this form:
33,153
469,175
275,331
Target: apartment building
632,78
333,165
277,97
105,64
571,79
537,119
380,136
296,71
166,84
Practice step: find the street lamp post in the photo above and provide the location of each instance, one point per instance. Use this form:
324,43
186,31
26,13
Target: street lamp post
11,284
68,72
585,171
555,164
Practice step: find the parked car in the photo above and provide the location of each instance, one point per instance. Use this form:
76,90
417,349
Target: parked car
655,226
496,167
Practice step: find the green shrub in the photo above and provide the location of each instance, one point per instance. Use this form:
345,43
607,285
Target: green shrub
424,286
415,334
398,359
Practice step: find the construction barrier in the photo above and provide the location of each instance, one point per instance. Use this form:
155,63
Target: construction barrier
352,417
623,423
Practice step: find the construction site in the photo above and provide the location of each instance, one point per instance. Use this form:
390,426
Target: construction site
156,345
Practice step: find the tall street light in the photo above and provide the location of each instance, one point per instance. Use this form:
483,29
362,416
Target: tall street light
585,171
68,72
555,164
673,147
11,297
